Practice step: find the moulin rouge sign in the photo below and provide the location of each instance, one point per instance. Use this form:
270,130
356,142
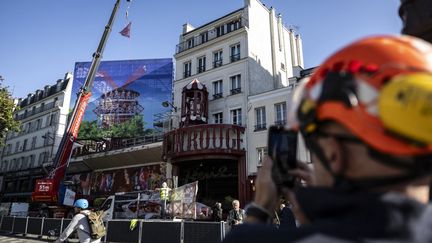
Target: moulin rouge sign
221,138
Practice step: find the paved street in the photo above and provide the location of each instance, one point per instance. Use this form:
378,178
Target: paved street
29,239
13,239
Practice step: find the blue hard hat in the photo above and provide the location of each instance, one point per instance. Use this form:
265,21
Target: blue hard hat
81,203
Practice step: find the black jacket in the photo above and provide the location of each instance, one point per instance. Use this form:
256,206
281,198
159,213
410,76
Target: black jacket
345,216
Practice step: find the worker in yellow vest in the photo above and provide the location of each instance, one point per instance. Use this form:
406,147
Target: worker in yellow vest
164,197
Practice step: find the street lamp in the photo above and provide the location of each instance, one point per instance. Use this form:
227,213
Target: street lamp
169,104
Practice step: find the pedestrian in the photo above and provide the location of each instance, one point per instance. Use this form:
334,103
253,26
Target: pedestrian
365,116
79,223
164,196
217,212
236,214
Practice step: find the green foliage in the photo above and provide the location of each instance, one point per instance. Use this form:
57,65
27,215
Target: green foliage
129,129
7,108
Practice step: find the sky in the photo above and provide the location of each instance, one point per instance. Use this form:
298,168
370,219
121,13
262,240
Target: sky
41,40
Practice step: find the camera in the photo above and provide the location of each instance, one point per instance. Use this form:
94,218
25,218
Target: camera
282,149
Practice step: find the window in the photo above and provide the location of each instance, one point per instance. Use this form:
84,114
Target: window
234,25
217,59
38,123
235,52
12,164
204,37
32,161
33,144
5,166
24,145
201,64
217,89
52,119
220,30
187,67
17,146
236,117
235,84
9,149
190,43
42,158
262,152
25,162
218,118
280,112
260,119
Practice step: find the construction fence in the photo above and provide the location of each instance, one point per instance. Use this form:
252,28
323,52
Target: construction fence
154,231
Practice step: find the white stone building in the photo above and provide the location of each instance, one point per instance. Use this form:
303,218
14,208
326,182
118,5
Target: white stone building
43,116
249,62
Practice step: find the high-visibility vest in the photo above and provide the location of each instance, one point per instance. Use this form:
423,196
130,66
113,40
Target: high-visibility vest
164,193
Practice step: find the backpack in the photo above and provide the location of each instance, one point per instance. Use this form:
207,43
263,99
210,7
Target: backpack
97,227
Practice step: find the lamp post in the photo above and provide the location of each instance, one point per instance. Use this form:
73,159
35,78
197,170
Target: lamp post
169,104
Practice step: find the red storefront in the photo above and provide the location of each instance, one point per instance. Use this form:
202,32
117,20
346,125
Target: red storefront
213,154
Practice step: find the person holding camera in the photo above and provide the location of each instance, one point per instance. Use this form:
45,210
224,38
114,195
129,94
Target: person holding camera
366,117
236,215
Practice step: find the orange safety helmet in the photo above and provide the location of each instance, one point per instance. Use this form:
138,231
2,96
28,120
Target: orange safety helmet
380,88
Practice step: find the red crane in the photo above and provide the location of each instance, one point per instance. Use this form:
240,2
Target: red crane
47,189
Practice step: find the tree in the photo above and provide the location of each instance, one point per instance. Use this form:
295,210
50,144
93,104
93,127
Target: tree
7,108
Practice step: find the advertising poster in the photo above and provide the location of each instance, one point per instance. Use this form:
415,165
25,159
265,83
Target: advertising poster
108,182
126,96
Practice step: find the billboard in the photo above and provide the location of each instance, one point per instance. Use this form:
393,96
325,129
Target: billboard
126,96
108,182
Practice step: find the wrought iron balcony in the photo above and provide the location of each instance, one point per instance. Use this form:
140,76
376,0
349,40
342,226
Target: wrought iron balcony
235,57
201,69
187,74
228,27
236,91
103,145
217,96
280,123
217,63
260,127
208,139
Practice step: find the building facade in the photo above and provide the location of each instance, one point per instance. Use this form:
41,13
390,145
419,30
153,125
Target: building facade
43,116
248,62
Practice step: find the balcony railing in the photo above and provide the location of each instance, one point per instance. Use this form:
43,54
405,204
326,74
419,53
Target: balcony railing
99,146
235,57
260,127
235,91
201,69
208,139
217,96
280,123
37,110
187,74
217,63
212,34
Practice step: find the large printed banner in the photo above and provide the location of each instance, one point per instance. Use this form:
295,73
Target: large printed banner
126,96
107,182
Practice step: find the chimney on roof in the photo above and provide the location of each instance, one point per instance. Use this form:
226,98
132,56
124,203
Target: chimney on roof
46,91
187,27
59,85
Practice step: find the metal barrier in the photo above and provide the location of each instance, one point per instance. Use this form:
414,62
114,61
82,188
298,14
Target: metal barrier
155,231
34,226
209,232
161,231
20,225
7,223
119,231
